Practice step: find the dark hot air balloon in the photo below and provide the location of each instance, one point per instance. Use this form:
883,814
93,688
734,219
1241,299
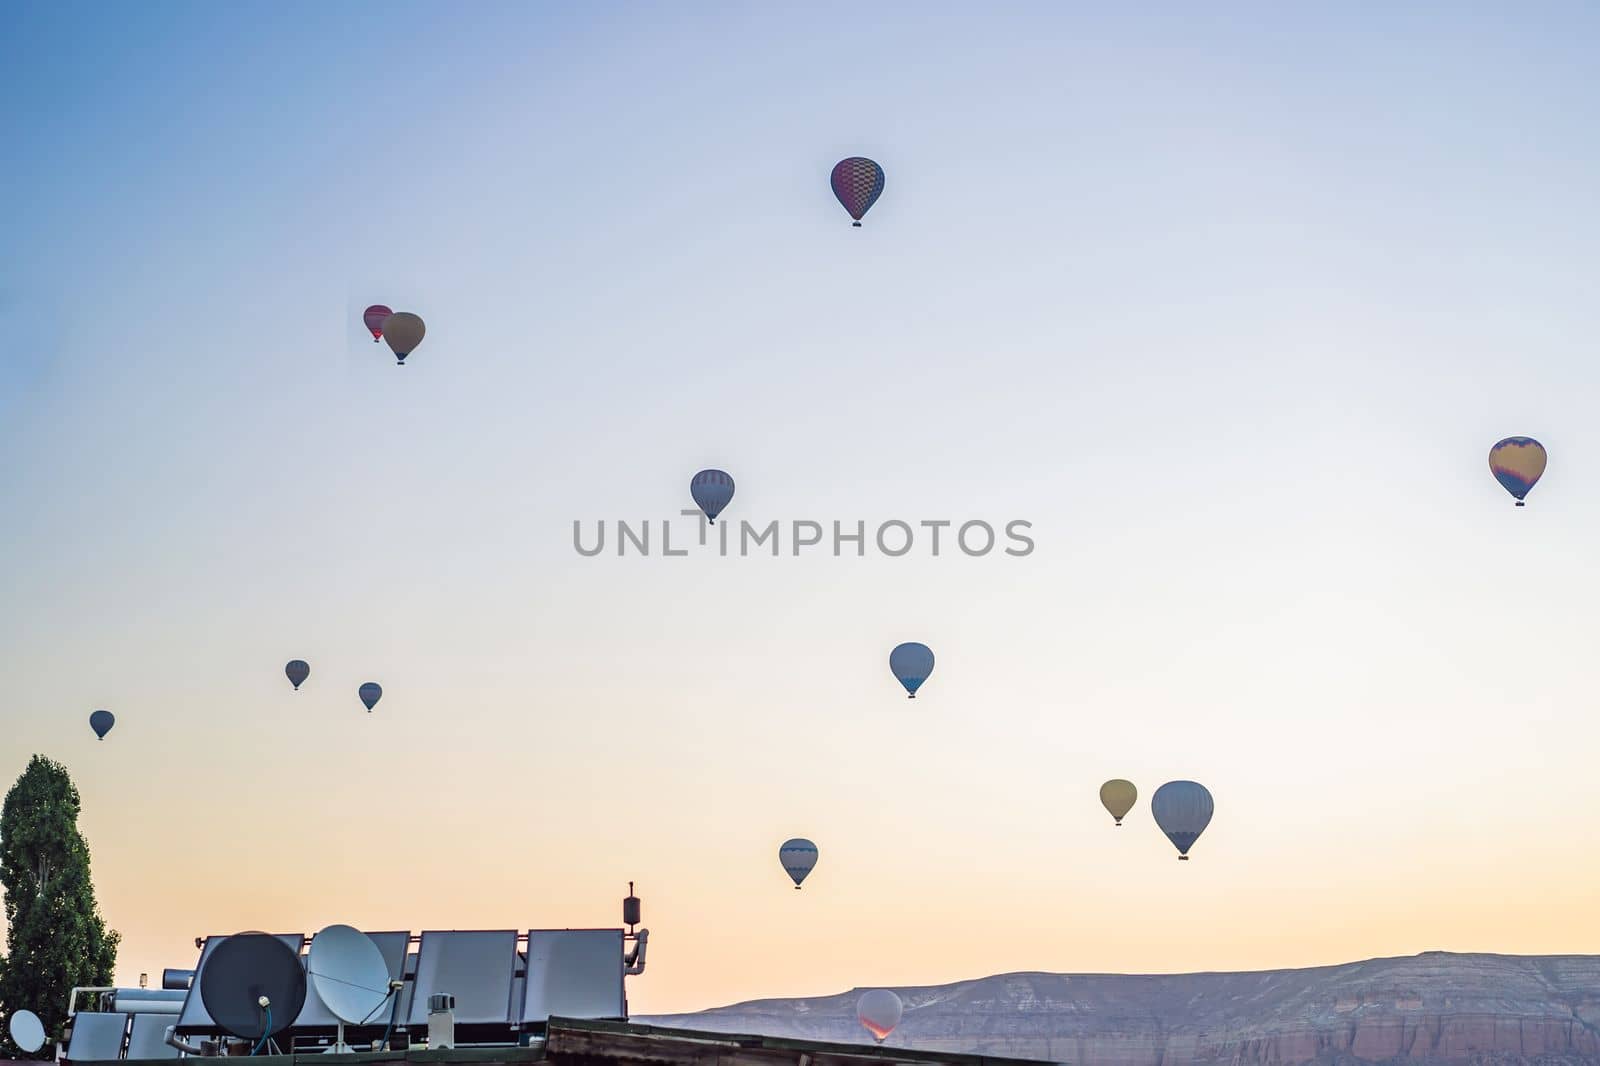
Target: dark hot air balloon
297,670
1183,810
857,182
911,664
101,722
798,856
370,694
712,491
404,331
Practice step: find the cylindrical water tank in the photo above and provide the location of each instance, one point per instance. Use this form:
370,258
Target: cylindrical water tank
146,1001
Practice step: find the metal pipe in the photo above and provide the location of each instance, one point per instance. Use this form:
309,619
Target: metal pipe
72,997
173,1041
635,958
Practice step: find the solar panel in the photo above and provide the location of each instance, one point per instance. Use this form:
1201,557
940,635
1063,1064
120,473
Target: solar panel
573,973
475,967
195,1018
148,1037
392,946
97,1035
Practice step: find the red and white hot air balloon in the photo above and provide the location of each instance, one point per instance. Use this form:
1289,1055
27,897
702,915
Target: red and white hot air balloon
373,318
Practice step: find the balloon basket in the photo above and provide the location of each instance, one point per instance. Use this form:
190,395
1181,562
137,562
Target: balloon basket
1521,503
855,225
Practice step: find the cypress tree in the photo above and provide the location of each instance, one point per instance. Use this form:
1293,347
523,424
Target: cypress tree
55,937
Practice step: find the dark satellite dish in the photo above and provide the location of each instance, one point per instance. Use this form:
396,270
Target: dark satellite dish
27,1031
253,986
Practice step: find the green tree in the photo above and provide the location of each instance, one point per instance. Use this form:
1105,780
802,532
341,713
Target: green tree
55,937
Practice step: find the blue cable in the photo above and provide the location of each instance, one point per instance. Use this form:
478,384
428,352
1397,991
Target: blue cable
265,1033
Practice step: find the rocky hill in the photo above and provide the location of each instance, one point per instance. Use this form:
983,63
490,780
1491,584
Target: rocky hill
1435,1008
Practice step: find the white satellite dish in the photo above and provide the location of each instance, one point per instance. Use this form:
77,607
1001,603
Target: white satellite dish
349,975
27,1031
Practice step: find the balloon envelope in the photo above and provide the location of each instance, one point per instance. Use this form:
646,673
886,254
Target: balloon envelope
1183,810
1118,797
798,856
297,671
101,722
373,318
911,664
371,693
857,182
403,331
712,491
1518,464
879,1010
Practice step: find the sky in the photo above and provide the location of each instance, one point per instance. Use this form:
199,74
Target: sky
1230,306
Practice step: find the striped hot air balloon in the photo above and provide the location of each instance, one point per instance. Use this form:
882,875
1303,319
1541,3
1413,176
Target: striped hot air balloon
373,318
1182,809
712,491
798,856
1518,464
857,182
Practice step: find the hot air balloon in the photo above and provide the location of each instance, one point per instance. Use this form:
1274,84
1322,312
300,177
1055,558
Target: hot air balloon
798,857
911,663
297,670
1118,796
857,182
404,331
101,722
1518,464
370,694
879,1010
1183,810
712,491
373,318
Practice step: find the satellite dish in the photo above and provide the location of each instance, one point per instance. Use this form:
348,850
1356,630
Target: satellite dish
253,986
27,1031
348,973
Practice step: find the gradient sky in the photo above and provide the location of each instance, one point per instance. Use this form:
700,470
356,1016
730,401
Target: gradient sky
1230,306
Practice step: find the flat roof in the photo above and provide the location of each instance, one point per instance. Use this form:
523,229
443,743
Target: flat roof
574,1040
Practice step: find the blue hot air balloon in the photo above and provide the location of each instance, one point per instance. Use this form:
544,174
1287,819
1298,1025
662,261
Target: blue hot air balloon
297,671
911,664
1183,810
712,491
101,722
370,694
798,857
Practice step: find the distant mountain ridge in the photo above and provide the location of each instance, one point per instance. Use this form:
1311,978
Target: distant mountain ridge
1434,1009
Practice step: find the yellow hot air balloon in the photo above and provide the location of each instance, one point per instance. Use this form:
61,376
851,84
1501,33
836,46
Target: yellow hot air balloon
1118,797
1518,464
404,331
